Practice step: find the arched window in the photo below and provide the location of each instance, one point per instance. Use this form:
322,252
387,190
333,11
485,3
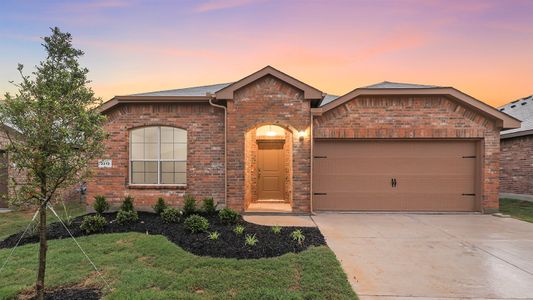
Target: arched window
158,155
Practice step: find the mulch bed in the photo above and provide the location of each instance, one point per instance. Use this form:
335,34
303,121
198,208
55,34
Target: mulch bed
66,293
228,245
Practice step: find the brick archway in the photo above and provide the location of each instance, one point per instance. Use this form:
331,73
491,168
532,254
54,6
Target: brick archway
255,139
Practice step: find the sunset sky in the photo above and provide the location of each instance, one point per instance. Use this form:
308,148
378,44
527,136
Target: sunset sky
484,48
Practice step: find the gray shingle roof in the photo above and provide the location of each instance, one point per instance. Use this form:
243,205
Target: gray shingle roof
521,109
190,91
327,99
382,85
398,85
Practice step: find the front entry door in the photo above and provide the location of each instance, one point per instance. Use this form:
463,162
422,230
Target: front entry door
270,170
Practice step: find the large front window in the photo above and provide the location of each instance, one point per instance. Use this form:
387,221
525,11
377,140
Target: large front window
158,155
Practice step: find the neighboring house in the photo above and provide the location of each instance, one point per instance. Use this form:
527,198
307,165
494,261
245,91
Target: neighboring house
11,177
516,164
7,169
274,141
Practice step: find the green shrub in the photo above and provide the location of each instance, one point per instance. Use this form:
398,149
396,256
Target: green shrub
209,206
214,235
276,229
189,205
298,236
196,223
250,240
100,204
92,224
127,205
160,206
171,215
239,229
126,216
228,215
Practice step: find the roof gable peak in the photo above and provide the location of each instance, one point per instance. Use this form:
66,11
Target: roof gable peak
310,92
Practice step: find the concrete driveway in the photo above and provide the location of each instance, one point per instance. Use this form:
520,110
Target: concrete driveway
401,256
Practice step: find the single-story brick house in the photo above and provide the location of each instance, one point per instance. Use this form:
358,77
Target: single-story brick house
516,164
270,141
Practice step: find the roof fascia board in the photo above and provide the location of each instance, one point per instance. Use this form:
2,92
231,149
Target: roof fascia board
150,99
309,91
507,122
509,135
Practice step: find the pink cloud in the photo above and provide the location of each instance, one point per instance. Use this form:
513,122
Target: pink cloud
222,4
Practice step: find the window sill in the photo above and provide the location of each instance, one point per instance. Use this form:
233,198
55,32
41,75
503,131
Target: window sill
157,187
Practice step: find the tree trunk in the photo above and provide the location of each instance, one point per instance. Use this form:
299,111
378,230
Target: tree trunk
43,246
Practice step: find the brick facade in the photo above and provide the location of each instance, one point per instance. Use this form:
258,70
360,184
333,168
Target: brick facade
271,101
268,101
412,117
516,165
205,153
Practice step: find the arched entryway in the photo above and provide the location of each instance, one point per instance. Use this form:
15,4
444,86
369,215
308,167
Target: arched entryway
268,168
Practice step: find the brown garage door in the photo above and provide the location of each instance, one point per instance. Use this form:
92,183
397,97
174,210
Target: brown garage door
394,175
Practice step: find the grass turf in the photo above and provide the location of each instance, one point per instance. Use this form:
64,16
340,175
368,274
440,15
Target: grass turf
140,266
16,221
519,209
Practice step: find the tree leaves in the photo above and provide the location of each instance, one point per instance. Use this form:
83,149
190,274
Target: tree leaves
58,130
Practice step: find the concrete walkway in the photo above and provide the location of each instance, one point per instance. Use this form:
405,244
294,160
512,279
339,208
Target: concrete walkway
281,220
406,256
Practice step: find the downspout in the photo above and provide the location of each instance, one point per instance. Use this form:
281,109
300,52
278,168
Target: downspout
312,141
225,147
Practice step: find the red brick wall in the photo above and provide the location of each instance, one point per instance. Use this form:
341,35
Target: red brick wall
205,152
268,101
416,117
516,165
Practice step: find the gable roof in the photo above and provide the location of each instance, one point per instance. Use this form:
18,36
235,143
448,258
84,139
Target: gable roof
521,109
309,91
398,85
190,91
391,88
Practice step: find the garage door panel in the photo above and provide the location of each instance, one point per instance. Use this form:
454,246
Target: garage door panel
449,183
359,183
430,175
368,201
396,165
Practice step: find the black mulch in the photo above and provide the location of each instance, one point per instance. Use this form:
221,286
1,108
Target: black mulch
229,244
71,293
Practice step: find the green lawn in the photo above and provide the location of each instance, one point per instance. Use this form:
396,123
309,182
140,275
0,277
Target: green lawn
16,221
519,209
140,266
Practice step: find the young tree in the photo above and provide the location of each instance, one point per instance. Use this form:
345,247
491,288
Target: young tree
56,114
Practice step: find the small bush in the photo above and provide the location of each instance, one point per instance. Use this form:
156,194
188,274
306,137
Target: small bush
171,215
100,204
298,236
250,240
276,229
196,223
94,223
127,205
228,215
214,235
126,216
209,206
160,206
189,205
239,229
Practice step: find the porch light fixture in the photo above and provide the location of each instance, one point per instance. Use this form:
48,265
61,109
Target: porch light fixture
301,135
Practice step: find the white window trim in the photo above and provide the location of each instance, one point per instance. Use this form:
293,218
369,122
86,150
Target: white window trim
158,160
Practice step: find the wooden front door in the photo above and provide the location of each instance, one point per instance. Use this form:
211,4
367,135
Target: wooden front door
270,170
